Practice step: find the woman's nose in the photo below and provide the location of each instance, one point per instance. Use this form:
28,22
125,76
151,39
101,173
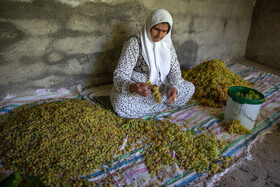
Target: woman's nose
160,34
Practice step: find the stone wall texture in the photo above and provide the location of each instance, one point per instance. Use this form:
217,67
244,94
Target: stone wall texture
59,43
264,38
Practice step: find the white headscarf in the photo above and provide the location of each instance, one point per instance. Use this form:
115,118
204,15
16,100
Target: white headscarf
157,54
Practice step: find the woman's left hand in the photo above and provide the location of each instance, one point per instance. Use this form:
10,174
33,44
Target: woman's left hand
171,96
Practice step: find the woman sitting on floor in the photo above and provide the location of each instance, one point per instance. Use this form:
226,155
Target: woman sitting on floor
151,56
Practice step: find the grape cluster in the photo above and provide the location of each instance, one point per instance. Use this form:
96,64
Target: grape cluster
219,164
250,95
155,91
59,141
212,79
235,126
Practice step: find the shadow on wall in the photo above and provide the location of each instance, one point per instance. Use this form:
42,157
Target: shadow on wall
105,62
187,54
9,35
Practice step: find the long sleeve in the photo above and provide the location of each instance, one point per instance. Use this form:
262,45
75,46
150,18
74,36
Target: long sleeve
174,77
124,69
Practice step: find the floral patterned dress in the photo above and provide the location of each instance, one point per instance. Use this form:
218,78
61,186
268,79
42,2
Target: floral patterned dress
132,68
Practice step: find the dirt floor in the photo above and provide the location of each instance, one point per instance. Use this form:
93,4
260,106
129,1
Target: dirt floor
263,169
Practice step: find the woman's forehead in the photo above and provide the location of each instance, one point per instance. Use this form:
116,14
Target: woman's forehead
161,26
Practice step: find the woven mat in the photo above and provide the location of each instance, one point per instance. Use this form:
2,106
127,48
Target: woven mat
132,165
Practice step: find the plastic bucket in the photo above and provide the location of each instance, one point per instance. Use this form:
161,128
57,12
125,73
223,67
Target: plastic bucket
245,110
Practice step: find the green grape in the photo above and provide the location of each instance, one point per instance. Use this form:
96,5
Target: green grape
250,95
155,91
54,140
212,79
58,141
235,126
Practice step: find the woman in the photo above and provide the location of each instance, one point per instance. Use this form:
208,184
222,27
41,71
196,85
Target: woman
151,56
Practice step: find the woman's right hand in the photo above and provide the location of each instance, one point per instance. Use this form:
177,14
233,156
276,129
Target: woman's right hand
140,88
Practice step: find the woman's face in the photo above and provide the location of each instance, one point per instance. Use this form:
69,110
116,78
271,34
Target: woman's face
159,31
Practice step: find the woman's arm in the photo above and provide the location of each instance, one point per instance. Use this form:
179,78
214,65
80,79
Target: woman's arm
174,76
127,61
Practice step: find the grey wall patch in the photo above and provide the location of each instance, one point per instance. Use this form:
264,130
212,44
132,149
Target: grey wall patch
188,54
9,34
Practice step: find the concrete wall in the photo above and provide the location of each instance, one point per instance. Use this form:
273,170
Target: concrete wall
264,38
59,43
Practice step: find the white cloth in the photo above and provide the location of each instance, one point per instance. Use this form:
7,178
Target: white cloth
157,54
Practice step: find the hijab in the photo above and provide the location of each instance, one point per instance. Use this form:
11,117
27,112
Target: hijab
157,54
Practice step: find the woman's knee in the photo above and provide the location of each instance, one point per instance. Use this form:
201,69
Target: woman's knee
186,92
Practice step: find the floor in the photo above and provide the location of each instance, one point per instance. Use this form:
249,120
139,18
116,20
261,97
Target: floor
263,169
260,67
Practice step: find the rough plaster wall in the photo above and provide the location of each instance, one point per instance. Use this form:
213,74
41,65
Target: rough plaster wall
264,38
59,43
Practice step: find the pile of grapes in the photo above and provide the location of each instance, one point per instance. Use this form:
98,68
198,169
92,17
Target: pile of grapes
66,139
170,145
212,79
235,126
59,141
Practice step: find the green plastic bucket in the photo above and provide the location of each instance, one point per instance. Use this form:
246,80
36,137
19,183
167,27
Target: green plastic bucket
243,109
